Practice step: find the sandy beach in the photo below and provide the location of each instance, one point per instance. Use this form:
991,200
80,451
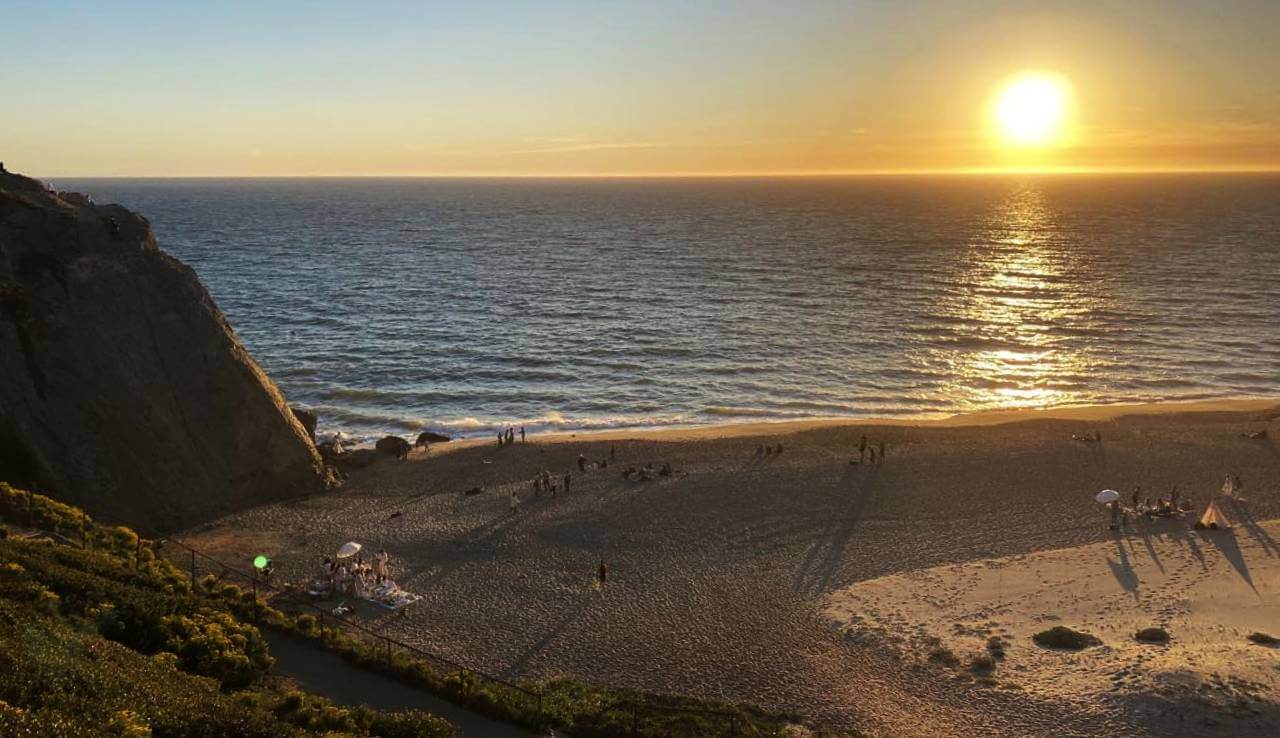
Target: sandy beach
802,582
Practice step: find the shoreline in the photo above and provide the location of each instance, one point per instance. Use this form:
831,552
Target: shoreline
731,429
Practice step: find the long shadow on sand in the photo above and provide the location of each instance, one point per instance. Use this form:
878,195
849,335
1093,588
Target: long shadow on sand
1123,569
1239,511
822,562
1225,542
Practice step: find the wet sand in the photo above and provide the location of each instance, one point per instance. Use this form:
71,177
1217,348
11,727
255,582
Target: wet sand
718,576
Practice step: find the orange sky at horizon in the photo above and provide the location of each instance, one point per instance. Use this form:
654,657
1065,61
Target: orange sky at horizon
576,89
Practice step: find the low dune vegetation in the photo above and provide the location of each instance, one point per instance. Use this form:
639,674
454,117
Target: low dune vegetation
159,654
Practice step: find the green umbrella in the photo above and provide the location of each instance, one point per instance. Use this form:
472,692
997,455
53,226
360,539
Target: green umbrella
260,562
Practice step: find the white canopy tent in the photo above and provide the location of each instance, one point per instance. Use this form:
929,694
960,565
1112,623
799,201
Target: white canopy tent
349,549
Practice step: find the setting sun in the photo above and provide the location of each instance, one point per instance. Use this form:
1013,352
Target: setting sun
1031,109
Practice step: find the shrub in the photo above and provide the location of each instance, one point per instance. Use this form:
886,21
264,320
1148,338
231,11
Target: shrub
1152,635
995,647
1060,636
982,663
943,655
1262,639
214,644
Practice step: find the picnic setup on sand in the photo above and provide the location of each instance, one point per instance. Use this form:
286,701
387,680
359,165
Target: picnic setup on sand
1173,507
348,573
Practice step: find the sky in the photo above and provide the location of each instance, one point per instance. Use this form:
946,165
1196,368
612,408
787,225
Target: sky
593,87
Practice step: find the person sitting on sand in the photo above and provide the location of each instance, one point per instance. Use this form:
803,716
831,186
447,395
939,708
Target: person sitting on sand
665,470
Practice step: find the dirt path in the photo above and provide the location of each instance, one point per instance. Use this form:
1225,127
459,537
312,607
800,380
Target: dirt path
331,676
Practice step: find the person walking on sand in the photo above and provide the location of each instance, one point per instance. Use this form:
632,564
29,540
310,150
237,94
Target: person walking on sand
873,455
862,449
515,501
567,479
602,576
522,434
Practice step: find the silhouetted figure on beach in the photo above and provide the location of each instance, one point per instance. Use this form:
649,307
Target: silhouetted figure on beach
582,463
499,438
602,575
568,478
873,455
613,452
522,434
1097,436
862,449
1136,490
882,450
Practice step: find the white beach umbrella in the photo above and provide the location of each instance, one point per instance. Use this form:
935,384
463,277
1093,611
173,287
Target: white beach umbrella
349,549
1107,495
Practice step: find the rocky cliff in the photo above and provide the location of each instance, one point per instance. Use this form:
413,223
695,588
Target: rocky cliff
123,389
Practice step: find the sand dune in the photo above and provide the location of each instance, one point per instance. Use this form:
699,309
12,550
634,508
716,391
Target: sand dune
719,574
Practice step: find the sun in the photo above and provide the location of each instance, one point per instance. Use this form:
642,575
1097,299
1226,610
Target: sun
1031,109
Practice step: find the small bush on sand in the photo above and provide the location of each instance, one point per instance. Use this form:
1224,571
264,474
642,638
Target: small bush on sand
1262,639
995,647
1152,635
1060,636
943,655
982,663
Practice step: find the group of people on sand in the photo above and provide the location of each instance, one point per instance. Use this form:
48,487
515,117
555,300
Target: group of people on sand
357,577
647,472
768,450
508,436
544,482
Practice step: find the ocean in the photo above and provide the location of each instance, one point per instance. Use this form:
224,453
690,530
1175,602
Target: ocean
463,306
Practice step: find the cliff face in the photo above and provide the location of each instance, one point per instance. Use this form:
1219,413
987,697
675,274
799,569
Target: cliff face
123,390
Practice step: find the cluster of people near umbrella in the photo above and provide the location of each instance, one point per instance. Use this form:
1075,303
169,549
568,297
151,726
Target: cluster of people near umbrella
1173,507
348,573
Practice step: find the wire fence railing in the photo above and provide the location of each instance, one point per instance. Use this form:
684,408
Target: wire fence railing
676,721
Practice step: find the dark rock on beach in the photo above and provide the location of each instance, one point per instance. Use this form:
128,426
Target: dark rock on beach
393,446
427,437
122,387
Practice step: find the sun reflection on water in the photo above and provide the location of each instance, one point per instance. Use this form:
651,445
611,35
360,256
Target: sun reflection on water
1023,290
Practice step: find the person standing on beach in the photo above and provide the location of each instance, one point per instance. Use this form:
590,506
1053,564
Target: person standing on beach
582,463
862,449
522,434
602,575
1136,489
567,479
613,452
515,501
882,450
873,455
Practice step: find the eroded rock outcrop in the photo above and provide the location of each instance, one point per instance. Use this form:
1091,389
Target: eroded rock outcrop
122,387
